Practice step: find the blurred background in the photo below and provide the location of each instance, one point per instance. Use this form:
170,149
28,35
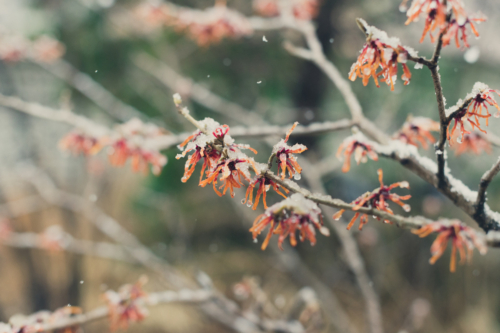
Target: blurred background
109,50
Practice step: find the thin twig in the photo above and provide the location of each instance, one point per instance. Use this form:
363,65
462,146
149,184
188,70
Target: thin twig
484,183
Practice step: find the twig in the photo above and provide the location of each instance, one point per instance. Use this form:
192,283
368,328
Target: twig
483,186
153,299
29,240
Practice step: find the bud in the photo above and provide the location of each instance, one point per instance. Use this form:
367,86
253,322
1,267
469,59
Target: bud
177,99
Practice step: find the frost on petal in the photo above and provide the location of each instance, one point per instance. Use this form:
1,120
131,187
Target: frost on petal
286,218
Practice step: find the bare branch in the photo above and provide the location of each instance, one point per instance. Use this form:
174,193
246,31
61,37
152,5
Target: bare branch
484,183
166,297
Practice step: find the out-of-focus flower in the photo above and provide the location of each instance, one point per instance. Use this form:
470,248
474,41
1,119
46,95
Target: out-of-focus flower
377,199
47,49
463,239
211,25
436,11
5,228
285,158
354,145
122,150
284,218
417,130
435,15
455,27
302,9
65,313
153,14
381,51
80,143
13,48
124,306
54,238
473,142
128,141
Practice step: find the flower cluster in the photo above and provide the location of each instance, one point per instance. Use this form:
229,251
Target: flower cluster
355,144
221,157
472,110
15,48
463,239
127,141
381,51
436,19
417,130
224,160
377,199
473,142
302,9
285,158
284,218
124,306
36,321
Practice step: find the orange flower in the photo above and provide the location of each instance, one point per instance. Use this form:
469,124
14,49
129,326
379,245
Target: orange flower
352,145
383,52
462,238
481,96
377,200
417,130
473,142
285,158
212,25
302,9
79,143
454,28
121,151
231,170
284,218
210,147
435,12
123,305
264,185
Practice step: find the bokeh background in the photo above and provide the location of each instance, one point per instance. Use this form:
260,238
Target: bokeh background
192,227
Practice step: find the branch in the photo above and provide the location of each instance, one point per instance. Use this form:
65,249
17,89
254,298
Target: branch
484,183
189,88
29,240
401,221
152,299
220,308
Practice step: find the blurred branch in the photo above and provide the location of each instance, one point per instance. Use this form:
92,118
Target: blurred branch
352,255
152,299
92,90
220,308
29,240
187,87
19,207
164,141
